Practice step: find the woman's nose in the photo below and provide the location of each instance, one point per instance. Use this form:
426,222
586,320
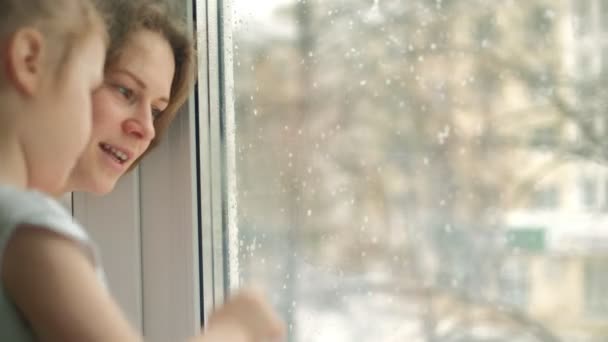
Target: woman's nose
141,125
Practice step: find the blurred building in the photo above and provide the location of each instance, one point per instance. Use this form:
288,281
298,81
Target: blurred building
558,268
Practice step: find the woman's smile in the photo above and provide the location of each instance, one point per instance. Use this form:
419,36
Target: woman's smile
119,155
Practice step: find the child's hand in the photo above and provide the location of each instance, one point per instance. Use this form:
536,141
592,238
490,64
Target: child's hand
245,317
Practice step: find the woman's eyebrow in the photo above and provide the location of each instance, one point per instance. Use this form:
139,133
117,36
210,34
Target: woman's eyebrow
139,82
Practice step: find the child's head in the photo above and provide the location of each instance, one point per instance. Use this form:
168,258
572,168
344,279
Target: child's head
52,54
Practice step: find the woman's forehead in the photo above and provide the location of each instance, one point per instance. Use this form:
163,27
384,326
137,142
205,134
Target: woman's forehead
148,58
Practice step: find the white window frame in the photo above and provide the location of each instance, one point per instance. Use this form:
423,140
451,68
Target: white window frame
216,151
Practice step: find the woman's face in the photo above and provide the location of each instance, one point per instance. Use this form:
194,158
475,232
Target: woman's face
136,90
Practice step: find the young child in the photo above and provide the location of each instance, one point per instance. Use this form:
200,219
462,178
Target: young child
51,284
51,58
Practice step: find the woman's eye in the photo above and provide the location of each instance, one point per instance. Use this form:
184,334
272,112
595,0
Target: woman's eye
156,113
126,92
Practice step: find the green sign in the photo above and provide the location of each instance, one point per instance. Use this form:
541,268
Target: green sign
527,239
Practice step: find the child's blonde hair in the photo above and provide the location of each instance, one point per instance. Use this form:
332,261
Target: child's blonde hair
64,22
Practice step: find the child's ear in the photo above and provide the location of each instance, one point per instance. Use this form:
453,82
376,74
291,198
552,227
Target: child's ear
26,60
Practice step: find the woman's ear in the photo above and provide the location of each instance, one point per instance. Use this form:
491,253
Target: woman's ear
25,60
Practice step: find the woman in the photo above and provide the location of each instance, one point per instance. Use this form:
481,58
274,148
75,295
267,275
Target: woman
149,73
148,76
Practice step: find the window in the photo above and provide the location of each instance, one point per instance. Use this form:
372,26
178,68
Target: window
514,278
604,16
545,136
583,13
586,64
589,191
605,195
590,35
370,172
540,22
546,198
596,281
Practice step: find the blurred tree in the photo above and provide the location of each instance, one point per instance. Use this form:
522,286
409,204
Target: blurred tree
375,131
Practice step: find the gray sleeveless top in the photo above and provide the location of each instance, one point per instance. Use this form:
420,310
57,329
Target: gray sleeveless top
31,207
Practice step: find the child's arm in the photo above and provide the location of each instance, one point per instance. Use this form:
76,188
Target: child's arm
54,284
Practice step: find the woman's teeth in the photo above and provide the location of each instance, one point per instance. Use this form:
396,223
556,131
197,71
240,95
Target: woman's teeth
120,156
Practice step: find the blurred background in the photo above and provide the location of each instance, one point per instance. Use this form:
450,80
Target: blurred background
424,170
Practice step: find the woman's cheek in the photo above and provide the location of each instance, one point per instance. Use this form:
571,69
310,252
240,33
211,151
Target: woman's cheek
105,109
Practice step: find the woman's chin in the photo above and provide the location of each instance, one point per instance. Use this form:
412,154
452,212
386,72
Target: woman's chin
96,175
97,186
103,187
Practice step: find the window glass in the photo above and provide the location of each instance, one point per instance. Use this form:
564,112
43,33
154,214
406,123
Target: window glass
596,280
582,13
604,15
425,170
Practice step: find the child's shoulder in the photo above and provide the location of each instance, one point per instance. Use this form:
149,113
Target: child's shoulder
28,208
20,211
50,269
14,201
35,208
20,208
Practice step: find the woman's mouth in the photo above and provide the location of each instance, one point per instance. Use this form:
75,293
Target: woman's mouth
120,156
